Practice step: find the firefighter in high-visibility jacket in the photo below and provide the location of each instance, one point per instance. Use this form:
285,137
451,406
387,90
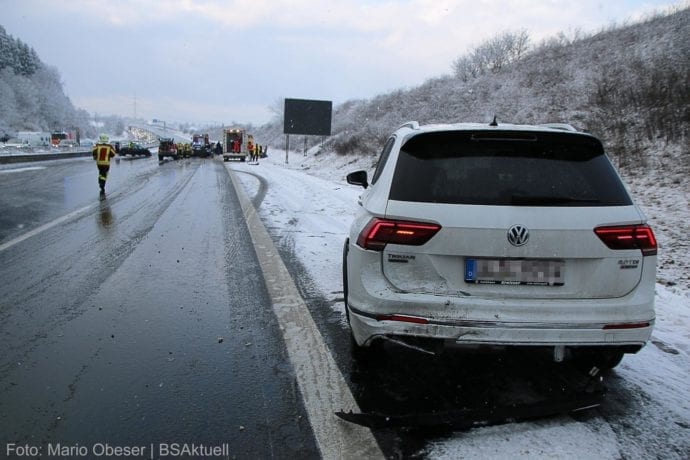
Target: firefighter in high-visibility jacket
250,147
102,152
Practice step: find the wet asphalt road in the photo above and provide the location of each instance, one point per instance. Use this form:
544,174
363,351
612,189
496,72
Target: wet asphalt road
143,318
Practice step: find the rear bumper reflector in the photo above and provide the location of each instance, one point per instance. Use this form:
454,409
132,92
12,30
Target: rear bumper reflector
626,326
402,318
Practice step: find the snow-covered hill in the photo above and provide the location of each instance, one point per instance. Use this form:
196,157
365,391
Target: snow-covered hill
627,85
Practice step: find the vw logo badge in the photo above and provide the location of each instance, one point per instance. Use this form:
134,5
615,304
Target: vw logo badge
518,235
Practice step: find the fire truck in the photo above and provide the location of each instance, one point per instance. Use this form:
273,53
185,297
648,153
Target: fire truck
70,134
234,144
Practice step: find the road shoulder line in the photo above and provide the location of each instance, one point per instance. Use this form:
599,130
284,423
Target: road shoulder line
321,383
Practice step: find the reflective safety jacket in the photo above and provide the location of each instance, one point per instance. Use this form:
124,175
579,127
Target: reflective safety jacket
102,153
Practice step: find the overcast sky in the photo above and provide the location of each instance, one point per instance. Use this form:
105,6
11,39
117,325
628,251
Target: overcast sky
219,61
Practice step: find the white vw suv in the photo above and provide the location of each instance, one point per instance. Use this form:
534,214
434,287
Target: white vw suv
499,235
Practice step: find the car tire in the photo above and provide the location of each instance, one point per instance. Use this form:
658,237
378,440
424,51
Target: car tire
603,359
160,158
369,354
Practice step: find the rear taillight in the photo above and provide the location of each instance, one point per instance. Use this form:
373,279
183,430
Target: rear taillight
380,232
629,237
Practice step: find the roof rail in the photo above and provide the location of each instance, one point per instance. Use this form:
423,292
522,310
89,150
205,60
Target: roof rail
561,126
410,124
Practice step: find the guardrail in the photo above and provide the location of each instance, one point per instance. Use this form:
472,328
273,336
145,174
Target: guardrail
26,157
22,154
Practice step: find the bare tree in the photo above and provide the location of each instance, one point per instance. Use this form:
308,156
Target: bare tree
277,107
492,55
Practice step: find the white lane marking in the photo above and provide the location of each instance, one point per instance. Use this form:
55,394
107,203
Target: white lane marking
44,227
28,168
323,387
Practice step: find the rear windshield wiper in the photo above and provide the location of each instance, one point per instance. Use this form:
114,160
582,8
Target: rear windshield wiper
537,200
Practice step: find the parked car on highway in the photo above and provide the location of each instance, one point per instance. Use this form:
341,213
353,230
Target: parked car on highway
484,235
134,149
201,146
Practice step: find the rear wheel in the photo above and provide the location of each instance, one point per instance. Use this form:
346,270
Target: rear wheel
366,354
160,157
604,359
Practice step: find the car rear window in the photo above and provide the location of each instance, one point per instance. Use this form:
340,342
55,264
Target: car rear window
507,168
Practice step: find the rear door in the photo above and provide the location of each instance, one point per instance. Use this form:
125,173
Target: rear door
518,212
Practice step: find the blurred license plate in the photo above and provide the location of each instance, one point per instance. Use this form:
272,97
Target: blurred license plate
532,272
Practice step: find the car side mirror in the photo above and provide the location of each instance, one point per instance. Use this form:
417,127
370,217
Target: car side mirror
358,178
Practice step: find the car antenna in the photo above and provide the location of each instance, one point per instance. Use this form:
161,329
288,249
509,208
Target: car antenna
494,122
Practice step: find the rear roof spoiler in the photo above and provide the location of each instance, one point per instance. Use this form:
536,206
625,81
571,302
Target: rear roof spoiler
410,124
561,126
